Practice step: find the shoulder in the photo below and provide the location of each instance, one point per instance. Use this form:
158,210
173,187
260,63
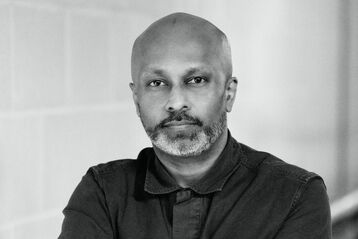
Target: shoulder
268,165
281,179
120,175
289,185
114,167
122,166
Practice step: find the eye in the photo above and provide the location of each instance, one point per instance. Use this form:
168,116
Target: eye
156,83
196,80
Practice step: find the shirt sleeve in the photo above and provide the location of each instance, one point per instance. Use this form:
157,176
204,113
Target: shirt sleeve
86,215
310,216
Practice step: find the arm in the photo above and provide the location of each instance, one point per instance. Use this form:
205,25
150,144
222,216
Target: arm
310,216
86,215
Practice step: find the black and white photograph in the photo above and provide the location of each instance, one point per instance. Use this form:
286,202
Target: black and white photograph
178,119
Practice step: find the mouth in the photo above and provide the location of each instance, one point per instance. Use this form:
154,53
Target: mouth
180,124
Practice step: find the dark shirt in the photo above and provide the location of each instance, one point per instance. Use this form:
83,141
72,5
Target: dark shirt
246,194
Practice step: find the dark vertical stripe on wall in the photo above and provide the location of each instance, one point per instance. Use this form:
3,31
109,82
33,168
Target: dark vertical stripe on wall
343,97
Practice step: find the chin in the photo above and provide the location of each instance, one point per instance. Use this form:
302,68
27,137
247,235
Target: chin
183,145
188,141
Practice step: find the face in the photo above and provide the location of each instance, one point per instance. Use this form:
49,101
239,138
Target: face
182,96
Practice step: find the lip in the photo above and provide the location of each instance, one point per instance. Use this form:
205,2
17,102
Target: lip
181,123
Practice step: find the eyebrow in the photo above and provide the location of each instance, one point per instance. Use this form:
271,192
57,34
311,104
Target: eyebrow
193,70
160,72
153,71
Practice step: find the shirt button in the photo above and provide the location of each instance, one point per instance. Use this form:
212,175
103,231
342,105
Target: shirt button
183,195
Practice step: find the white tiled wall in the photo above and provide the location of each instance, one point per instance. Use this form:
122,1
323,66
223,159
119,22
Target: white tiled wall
65,103
38,57
5,70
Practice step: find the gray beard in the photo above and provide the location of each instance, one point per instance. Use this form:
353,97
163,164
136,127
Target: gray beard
191,144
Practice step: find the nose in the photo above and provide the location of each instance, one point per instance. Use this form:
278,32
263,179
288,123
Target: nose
177,100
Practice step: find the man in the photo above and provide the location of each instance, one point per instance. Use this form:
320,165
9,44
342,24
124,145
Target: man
196,181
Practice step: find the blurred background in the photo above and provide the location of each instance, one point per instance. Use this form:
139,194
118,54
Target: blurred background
65,104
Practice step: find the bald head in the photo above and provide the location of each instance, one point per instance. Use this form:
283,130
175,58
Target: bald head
177,31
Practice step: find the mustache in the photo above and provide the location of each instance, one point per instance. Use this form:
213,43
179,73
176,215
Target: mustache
179,116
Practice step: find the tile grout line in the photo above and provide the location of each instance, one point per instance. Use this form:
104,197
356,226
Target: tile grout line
87,9
32,218
67,59
41,176
11,55
11,230
74,109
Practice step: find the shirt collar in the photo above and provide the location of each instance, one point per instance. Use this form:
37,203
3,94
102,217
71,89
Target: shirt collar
159,181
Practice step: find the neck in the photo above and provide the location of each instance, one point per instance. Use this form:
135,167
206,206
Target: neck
188,170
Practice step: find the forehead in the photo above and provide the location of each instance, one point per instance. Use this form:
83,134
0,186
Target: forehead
177,55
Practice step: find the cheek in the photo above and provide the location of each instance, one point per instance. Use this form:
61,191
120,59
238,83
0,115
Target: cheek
151,102
210,108
150,110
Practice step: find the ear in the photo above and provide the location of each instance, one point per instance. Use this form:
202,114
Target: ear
231,86
135,98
